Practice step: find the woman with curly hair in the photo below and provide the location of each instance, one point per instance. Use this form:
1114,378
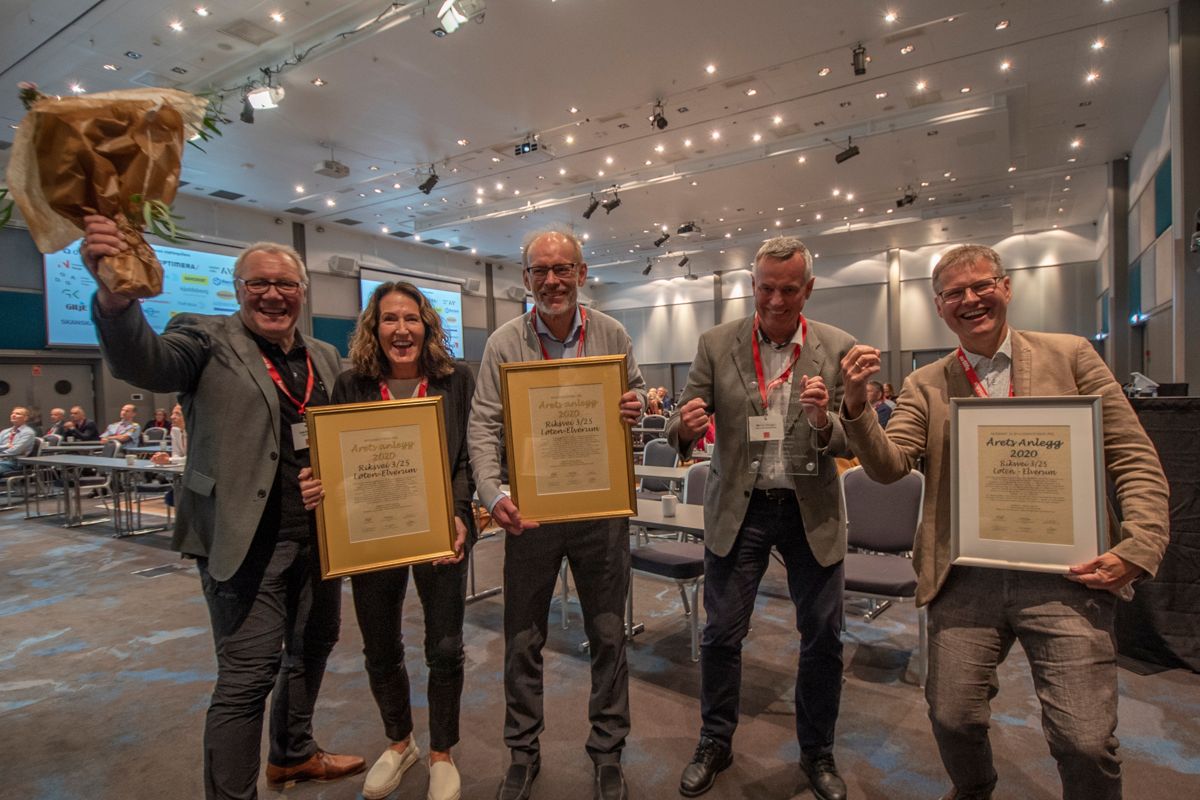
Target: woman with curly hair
399,350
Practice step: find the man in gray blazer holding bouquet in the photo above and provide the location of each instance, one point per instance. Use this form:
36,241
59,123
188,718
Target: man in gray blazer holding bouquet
771,384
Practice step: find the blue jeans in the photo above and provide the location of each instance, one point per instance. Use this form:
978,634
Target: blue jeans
730,588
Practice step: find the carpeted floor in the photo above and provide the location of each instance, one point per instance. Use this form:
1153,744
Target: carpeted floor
105,672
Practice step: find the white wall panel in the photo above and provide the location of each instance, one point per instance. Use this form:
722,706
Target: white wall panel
1164,268
1152,144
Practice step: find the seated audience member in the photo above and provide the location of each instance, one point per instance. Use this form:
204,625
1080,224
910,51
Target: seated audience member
653,402
876,400
178,434
124,430
889,395
160,420
16,440
58,418
79,427
665,400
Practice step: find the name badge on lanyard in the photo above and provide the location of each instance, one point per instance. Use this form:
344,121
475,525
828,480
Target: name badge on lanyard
299,429
769,426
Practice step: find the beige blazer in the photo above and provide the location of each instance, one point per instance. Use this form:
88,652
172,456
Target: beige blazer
1044,364
723,374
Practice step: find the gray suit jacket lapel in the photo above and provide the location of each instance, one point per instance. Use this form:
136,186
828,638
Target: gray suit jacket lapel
252,360
812,358
743,360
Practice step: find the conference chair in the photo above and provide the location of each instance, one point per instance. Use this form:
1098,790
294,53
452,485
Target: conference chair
154,435
658,453
680,562
21,478
881,523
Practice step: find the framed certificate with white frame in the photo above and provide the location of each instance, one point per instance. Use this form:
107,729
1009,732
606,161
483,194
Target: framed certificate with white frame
388,498
570,454
1027,482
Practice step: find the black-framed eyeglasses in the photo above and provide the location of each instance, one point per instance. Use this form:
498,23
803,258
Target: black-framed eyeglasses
561,271
262,286
981,289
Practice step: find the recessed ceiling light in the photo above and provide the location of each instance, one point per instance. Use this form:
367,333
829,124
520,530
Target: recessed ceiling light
659,148
499,187
478,201
377,190
817,217
823,72
849,196
860,209
710,69
1002,24
924,184
908,48
516,192
562,170
801,160
965,90
648,162
779,208
176,26
1066,188
880,95
1092,77
1098,44
133,54
329,201
383,228
600,172
573,110
77,88
695,183
1005,66
362,194
687,142
729,236
473,251
1066,177
890,16
299,188
1072,160
778,223
374,168
921,86
587,236
1076,144
111,67
395,185
1012,168
277,17
318,81
890,210
201,11
570,139
495,159
777,120
756,137
751,92
463,142
608,160
715,135
946,174
417,236
837,192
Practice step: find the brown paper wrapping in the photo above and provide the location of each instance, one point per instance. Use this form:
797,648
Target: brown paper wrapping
91,155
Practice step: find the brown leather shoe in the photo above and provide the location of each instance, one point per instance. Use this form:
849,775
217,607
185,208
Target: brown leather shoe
321,767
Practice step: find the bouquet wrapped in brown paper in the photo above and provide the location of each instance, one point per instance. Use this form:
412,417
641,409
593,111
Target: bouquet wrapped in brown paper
117,154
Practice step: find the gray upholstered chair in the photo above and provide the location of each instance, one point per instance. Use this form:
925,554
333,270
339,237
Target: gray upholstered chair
881,523
658,453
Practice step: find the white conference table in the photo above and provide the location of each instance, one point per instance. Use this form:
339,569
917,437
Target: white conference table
688,518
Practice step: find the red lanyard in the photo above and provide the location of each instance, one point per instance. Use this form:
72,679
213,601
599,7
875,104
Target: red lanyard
765,388
274,373
386,394
582,333
12,436
976,384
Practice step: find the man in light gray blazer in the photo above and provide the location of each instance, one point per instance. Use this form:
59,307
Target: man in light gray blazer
770,383
244,381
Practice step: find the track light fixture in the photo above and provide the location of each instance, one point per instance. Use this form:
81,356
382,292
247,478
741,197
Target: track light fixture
858,59
430,182
657,119
593,204
850,152
659,241
683,262
649,266
608,204
247,115
455,13
908,199
688,228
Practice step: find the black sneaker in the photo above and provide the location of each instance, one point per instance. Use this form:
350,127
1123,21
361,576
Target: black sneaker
710,758
823,776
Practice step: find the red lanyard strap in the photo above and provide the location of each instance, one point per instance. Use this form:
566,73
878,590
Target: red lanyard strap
274,373
421,390
976,384
533,318
764,388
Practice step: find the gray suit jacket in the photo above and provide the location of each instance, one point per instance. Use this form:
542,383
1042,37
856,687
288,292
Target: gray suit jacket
723,374
232,413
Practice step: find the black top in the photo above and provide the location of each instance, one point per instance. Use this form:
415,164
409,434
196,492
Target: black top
285,509
85,431
456,389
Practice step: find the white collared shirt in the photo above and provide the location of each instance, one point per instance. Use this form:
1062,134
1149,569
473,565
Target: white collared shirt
994,373
772,471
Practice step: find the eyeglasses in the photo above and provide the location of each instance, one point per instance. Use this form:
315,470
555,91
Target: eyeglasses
980,290
262,286
561,271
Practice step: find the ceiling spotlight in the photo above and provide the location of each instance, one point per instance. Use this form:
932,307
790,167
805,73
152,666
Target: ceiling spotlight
657,119
659,241
454,13
427,185
858,59
1002,24
247,114
593,204
649,266
608,204
850,152
908,199
683,262
265,97
687,228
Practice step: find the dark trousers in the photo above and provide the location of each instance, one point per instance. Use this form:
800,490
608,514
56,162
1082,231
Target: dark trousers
379,606
598,553
274,612
1066,631
730,588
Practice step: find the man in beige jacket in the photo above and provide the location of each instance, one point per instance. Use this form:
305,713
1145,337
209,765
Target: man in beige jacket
1063,622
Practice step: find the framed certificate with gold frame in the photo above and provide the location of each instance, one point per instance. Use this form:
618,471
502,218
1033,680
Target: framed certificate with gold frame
570,455
1027,480
388,498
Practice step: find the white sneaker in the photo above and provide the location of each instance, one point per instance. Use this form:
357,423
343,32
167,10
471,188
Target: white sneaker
385,774
444,783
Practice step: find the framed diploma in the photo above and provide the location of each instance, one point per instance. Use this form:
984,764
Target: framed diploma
1027,480
570,457
388,500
